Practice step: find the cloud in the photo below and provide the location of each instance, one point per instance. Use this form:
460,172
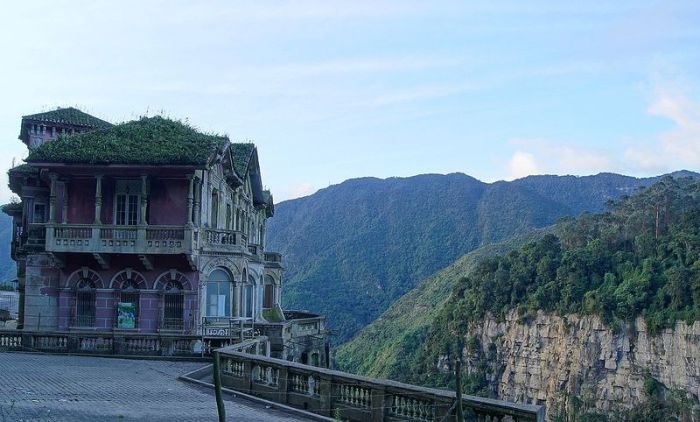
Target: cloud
295,191
542,156
522,164
675,148
678,146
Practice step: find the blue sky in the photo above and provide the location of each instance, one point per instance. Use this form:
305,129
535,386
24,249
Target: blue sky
335,90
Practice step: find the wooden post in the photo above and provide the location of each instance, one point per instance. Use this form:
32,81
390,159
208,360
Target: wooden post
458,399
220,407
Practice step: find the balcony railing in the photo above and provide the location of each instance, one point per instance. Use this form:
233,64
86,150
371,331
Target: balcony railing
356,398
255,250
273,257
219,240
100,238
103,343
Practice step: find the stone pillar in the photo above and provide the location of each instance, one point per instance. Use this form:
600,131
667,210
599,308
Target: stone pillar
196,203
377,404
144,199
64,214
190,199
98,199
237,299
52,199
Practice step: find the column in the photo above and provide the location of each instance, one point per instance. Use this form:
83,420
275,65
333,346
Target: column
237,299
144,199
190,199
196,203
98,199
52,199
64,214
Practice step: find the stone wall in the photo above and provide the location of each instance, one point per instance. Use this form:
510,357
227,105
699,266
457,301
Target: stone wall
551,359
40,293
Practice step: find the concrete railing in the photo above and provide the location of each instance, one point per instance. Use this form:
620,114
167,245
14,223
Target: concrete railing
104,238
355,398
104,343
219,240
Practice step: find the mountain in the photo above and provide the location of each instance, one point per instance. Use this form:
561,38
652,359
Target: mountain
389,345
352,249
598,318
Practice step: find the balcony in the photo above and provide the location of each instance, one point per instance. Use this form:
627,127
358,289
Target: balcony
101,238
273,257
216,240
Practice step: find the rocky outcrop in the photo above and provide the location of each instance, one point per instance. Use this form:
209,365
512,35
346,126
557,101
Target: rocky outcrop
570,361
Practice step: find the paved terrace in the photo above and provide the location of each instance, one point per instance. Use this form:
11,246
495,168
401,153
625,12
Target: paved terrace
37,387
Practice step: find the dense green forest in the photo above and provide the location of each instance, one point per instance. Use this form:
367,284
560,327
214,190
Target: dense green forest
642,258
389,346
353,249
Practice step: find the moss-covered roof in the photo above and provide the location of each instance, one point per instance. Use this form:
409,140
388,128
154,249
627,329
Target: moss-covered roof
69,116
149,140
241,157
23,169
12,208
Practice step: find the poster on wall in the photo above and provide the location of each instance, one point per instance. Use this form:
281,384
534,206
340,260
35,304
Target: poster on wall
126,315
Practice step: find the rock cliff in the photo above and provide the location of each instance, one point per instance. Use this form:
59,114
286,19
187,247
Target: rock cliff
573,363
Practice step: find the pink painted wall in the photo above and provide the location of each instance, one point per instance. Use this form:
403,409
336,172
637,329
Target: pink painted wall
150,306
107,214
168,202
81,201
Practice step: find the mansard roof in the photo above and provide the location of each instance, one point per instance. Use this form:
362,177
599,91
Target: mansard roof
63,117
146,141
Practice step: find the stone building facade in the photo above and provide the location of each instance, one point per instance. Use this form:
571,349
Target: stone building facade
148,226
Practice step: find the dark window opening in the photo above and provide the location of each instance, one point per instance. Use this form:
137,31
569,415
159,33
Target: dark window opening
268,296
173,306
85,304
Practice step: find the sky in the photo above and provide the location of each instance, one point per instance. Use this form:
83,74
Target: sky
335,90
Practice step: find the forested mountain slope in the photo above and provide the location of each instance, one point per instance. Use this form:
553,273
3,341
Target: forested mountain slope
352,249
389,345
606,303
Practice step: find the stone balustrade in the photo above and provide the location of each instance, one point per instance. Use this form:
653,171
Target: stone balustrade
104,343
101,238
356,398
218,240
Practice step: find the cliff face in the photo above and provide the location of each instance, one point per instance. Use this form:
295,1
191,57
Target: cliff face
580,362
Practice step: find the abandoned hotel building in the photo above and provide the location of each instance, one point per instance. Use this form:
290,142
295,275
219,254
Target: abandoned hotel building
148,227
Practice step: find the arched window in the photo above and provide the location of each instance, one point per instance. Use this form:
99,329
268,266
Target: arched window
219,294
128,306
173,305
269,292
85,303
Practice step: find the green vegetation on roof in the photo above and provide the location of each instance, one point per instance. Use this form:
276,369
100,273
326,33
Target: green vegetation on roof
241,157
69,116
273,314
23,168
12,207
149,140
